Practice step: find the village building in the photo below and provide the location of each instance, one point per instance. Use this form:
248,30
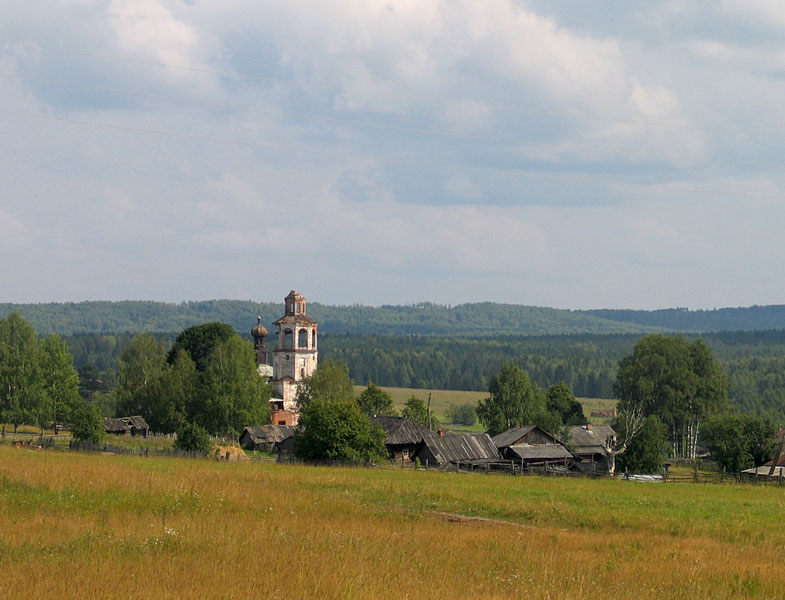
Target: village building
532,447
445,451
294,357
265,437
401,436
592,446
135,425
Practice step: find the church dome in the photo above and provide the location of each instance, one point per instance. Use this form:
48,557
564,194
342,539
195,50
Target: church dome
260,330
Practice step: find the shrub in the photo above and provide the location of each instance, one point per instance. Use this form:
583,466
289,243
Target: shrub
193,438
86,424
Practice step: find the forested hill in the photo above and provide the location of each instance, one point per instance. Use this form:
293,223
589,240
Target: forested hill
478,319
753,318
424,319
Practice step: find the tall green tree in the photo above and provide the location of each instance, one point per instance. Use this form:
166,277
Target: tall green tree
374,401
176,395
330,383
233,394
338,430
514,400
59,381
21,395
200,341
142,365
677,380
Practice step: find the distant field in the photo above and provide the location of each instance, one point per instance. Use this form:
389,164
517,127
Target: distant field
96,526
441,400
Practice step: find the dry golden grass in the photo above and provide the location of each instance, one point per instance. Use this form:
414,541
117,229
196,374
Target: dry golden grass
94,526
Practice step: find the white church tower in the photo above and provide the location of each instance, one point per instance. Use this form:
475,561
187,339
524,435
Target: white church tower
294,356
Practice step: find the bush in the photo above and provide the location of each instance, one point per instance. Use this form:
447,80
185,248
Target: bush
339,431
462,414
86,424
193,438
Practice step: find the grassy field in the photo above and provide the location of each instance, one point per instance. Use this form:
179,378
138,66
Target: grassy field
96,526
441,400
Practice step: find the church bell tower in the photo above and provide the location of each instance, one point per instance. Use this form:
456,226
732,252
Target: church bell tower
296,352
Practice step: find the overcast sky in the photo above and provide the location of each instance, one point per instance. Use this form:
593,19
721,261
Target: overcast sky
565,154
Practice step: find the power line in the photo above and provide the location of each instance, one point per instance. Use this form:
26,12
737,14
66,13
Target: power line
409,98
334,120
411,163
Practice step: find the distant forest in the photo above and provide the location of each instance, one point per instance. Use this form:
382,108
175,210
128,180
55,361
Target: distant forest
754,361
478,319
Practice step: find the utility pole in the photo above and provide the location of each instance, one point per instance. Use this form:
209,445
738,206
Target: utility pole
429,412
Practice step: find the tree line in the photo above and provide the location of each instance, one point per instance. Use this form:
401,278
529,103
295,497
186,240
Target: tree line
39,384
754,362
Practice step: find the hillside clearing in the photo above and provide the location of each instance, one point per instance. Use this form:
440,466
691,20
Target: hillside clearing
442,400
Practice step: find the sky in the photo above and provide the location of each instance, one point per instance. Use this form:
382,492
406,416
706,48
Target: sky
615,154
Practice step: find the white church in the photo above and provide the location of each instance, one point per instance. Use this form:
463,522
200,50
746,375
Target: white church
294,357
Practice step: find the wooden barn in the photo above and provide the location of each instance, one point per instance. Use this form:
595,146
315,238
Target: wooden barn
533,447
135,425
265,437
591,445
470,449
401,436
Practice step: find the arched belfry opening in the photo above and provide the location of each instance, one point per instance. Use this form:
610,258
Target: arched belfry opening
302,338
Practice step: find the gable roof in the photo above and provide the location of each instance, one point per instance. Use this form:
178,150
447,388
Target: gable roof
451,448
515,435
400,431
268,434
591,439
539,451
509,437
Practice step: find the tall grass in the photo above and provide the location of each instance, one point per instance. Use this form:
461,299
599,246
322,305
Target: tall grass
95,526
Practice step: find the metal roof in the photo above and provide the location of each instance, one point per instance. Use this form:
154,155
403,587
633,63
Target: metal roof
540,451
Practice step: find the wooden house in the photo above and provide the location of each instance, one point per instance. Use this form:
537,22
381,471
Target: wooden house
135,425
401,436
592,445
264,437
532,447
443,450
